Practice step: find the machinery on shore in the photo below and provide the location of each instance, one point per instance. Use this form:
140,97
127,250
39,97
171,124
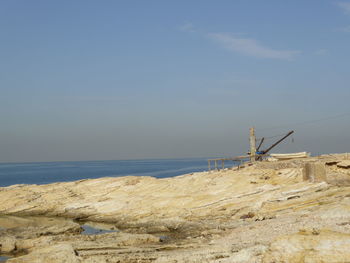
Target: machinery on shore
255,153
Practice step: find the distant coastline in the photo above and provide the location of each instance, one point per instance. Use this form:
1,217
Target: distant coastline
50,172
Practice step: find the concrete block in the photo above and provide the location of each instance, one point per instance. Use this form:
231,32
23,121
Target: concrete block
314,172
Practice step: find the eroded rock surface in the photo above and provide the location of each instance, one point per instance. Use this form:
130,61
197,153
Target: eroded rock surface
265,212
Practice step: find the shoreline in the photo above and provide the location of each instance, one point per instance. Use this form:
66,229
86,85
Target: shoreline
37,173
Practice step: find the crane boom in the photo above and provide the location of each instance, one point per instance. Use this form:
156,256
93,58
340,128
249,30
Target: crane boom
276,143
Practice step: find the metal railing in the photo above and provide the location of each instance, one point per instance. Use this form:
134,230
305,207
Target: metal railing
239,159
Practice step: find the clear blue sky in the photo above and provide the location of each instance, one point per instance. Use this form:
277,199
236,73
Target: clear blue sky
95,80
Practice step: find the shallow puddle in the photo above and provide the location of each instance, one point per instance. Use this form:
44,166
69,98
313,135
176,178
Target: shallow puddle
13,222
3,258
96,228
89,230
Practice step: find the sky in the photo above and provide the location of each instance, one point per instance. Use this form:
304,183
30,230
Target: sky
108,80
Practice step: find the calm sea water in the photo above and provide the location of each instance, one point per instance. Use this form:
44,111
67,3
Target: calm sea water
50,172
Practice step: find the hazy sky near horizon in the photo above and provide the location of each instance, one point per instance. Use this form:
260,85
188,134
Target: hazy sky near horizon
98,80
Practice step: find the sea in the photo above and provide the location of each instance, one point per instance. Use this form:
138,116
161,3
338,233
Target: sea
51,172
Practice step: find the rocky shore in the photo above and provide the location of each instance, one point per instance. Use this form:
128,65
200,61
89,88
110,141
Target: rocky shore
282,211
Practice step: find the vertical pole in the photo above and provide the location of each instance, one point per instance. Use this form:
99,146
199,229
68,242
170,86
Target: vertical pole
216,164
223,164
240,164
252,142
209,165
